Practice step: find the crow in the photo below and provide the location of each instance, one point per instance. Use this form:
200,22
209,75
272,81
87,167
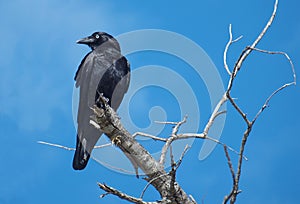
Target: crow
102,71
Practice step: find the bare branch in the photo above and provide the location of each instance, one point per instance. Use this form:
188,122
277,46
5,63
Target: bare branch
172,173
203,136
121,195
71,148
165,149
104,145
239,110
279,53
111,125
269,23
177,126
248,49
266,104
229,163
166,122
149,183
172,162
186,148
230,41
214,114
220,113
231,171
235,189
149,136
56,145
170,140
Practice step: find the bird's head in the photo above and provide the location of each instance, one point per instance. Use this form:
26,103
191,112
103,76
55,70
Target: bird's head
97,39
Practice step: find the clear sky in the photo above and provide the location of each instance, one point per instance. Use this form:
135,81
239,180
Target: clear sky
39,58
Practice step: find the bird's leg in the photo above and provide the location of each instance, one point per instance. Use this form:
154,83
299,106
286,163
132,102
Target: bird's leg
101,100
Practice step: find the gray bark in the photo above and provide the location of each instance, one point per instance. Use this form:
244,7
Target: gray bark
169,190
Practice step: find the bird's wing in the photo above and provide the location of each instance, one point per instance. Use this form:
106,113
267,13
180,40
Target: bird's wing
87,78
123,70
114,84
78,74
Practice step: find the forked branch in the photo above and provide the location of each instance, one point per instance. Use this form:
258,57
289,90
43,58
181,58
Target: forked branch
236,176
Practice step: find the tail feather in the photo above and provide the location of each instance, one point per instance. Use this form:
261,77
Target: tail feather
85,143
81,156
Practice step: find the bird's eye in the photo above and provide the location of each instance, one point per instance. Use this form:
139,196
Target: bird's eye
97,36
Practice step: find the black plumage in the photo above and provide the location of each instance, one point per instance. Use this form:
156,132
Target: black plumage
102,71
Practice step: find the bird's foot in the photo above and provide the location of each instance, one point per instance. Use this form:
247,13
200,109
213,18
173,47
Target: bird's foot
101,101
116,141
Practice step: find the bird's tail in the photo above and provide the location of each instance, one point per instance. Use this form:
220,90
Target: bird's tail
81,156
85,143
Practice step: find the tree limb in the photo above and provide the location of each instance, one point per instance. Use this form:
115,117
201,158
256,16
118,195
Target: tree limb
235,188
121,195
110,124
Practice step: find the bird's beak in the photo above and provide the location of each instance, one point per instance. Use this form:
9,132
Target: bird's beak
87,40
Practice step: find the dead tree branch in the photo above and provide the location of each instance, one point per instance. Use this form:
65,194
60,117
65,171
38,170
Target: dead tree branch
170,140
230,41
110,124
236,176
71,148
110,190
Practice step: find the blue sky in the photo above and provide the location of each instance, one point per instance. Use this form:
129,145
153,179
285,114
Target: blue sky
39,58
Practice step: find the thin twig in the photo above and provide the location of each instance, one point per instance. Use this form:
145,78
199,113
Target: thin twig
230,41
56,145
248,49
202,136
239,110
226,198
149,183
279,53
266,104
214,114
149,136
172,162
172,173
71,148
110,190
166,122
186,148
104,145
229,164
177,126
170,140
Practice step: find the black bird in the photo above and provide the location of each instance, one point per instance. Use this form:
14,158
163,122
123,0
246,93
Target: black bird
102,71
